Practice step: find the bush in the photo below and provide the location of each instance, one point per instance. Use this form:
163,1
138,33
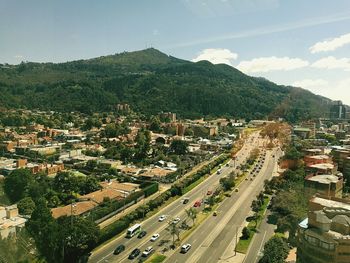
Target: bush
245,233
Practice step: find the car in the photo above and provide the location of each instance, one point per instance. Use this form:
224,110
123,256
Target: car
185,200
209,192
185,248
227,164
154,237
218,171
134,253
176,220
148,251
119,249
198,203
215,213
236,190
161,218
142,234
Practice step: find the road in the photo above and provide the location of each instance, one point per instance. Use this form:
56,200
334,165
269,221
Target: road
264,233
212,238
151,225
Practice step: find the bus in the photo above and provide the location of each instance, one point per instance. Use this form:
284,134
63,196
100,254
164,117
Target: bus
133,230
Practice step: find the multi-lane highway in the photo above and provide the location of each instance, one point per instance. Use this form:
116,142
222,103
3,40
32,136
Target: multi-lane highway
175,209
215,238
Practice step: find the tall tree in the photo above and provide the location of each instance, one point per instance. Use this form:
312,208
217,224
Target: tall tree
78,234
275,251
173,230
45,231
192,214
16,184
179,147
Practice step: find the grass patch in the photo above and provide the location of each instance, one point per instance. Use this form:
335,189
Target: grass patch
200,218
194,184
243,244
156,258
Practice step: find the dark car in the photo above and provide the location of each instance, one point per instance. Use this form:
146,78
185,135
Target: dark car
185,200
142,234
134,253
119,249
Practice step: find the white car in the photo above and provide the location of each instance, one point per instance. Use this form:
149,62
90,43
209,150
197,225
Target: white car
154,237
185,248
161,218
147,251
176,220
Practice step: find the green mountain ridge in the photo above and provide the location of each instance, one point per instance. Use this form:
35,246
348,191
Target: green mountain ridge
151,81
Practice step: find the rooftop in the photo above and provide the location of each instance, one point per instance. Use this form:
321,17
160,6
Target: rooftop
324,178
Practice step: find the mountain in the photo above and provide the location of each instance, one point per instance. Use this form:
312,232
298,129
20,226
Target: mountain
151,81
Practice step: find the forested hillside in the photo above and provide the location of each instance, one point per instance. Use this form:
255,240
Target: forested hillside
150,82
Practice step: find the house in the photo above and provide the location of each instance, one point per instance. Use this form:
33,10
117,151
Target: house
10,220
324,184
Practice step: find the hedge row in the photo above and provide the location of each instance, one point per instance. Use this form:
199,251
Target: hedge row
176,190
111,206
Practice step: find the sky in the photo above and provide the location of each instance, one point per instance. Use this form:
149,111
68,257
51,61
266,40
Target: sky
290,42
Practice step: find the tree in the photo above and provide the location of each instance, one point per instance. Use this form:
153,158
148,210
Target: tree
245,233
26,206
192,214
275,251
154,124
45,231
173,230
256,208
143,139
17,183
78,236
228,183
179,147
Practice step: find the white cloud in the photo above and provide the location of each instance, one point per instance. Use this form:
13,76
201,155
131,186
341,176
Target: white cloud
336,90
331,44
314,21
332,63
266,64
216,56
310,83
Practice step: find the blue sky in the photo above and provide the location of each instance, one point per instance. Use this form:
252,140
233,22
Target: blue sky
292,42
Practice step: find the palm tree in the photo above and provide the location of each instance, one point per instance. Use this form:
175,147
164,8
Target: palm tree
192,214
173,230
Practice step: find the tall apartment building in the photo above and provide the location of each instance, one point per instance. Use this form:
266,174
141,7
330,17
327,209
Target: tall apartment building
324,236
337,111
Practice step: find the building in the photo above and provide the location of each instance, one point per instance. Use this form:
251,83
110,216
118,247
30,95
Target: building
310,125
324,184
168,116
337,111
340,156
303,133
324,236
123,107
10,220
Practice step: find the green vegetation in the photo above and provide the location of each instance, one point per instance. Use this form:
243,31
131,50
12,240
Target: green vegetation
176,189
156,258
150,82
245,239
275,250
